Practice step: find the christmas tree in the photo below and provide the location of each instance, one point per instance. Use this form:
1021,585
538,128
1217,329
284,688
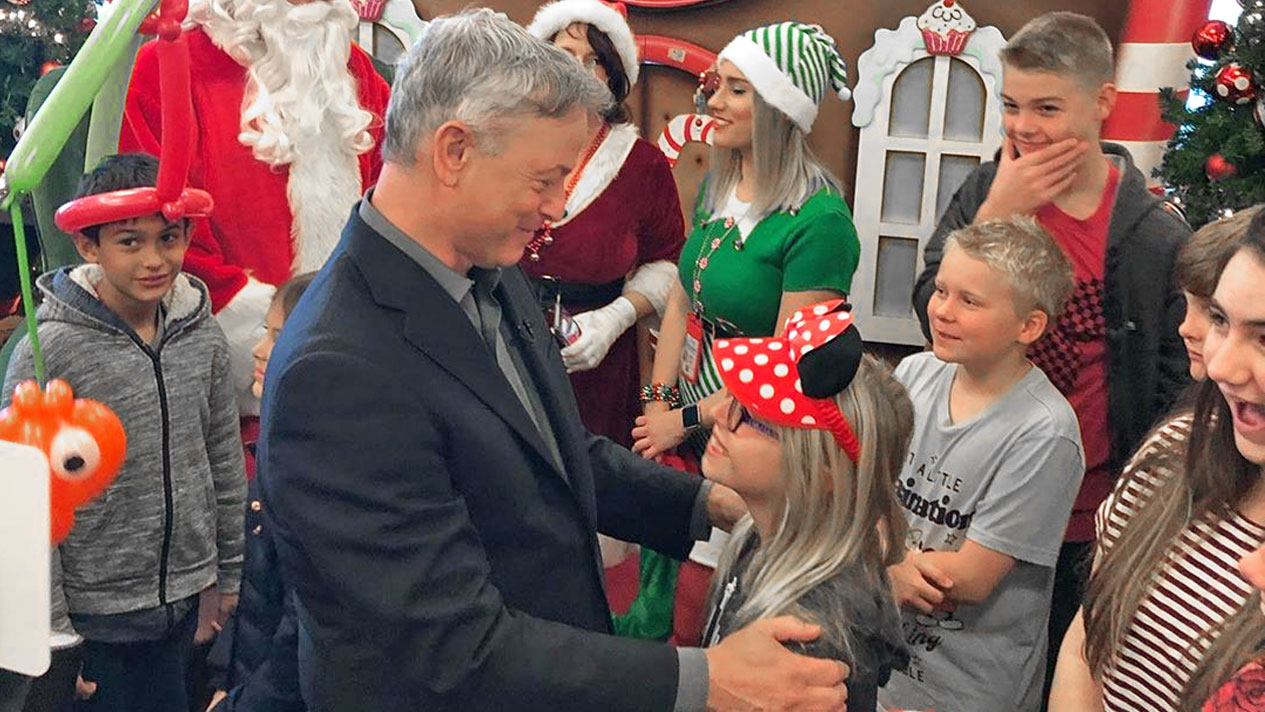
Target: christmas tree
1215,162
35,36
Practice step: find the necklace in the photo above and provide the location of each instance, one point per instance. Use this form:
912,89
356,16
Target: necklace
700,264
544,235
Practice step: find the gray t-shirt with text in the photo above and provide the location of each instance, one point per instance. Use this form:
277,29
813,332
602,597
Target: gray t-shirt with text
1005,479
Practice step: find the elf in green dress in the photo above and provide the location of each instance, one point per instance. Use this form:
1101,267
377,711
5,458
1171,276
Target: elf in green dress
771,233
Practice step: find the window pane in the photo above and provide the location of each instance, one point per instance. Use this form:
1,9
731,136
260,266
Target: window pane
953,170
964,115
911,100
902,187
894,282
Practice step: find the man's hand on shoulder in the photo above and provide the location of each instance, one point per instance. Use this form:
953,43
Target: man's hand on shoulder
751,670
1025,183
724,507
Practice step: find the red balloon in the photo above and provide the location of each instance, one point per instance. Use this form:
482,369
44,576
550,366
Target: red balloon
1235,84
1213,38
83,440
1217,167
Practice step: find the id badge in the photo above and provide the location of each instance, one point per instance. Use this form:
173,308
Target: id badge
692,351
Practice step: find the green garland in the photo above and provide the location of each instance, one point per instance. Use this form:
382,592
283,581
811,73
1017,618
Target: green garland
1218,127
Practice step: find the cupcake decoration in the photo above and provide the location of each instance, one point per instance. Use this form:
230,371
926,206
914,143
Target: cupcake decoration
945,27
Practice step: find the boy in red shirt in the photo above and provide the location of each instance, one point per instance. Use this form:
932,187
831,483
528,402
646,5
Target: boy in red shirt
1115,354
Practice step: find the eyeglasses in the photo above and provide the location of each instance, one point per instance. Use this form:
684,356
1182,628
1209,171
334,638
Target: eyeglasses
739,415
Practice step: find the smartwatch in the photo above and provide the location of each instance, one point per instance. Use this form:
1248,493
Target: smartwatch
689,417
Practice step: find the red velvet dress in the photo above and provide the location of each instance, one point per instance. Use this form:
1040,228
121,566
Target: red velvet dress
624,213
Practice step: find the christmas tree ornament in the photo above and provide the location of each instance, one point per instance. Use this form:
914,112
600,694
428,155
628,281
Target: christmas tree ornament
1235,84
1218,168
20,2
48,66
1252,26
1212,39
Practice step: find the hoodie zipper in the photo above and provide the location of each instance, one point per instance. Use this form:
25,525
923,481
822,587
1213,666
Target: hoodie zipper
167,495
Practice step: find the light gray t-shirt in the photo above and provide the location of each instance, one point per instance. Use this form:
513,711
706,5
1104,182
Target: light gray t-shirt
1005,479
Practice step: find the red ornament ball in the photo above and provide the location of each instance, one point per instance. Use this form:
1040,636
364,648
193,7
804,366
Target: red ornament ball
1235,84
1217,167
1212,39
48,66
86,25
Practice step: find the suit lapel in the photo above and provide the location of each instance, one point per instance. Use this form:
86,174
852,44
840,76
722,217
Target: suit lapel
436,325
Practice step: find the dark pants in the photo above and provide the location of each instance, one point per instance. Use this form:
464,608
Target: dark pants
54,691
1070,577
140,677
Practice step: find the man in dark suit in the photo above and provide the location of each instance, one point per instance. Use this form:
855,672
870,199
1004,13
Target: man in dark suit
432,491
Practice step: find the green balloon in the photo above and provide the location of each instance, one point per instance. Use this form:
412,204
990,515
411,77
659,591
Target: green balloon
66,105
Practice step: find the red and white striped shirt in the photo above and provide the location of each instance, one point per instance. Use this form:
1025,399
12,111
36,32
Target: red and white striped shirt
1199,587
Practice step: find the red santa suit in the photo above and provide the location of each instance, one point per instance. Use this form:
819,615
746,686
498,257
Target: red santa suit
245,248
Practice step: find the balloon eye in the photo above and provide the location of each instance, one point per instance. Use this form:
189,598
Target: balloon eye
74,454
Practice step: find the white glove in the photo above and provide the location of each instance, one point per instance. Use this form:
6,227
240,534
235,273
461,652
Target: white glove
598,330
653,280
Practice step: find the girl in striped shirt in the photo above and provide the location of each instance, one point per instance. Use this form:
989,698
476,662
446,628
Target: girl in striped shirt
1168,615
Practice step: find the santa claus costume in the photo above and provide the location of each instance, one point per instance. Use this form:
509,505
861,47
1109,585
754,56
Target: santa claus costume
289,120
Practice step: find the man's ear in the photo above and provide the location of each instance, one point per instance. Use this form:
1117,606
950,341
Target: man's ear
1033,328
451,148
1106,100
86,246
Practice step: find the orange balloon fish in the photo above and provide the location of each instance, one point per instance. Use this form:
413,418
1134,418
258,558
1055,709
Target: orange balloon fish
83,440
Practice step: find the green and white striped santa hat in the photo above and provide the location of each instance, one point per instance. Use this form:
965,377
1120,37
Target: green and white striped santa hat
790,64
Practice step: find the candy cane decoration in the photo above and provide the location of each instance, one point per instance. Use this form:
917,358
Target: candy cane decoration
1154,49
683,129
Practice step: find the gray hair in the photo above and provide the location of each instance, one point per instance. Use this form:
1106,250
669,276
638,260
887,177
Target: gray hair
482,69
787,173
1025,254
1064,43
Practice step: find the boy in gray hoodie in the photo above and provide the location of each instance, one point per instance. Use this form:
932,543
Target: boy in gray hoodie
130,330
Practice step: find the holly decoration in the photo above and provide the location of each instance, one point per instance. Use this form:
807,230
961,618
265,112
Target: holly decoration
1212,39
1216,158
1218,168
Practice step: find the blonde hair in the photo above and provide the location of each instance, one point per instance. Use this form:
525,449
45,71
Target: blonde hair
837,514
1067,44
1017,248
787,173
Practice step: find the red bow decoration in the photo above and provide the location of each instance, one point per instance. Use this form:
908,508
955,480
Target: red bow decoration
169,196
766,374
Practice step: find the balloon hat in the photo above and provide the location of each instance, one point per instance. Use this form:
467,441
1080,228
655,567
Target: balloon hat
791,380
169,196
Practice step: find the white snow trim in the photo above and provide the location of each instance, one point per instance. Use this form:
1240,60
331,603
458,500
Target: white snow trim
654,281
182,300
242,321
893,49
774,85
605,164
554,17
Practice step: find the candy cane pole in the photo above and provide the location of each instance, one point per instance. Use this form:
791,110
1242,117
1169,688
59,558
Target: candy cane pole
683,129
1152,53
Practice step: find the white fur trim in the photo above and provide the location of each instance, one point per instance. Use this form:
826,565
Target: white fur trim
242,321
774,85
654,281
552,18
605,164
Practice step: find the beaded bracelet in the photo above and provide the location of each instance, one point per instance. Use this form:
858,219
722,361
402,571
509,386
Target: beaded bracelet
661,392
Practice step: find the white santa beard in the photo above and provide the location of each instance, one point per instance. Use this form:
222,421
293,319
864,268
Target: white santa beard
301,110
324,184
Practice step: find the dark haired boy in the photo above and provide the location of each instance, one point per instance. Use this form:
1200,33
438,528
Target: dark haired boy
130,330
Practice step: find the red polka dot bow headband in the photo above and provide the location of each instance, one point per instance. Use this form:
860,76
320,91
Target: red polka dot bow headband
791,380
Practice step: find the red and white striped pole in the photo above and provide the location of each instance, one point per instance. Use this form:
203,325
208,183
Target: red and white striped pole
1152,53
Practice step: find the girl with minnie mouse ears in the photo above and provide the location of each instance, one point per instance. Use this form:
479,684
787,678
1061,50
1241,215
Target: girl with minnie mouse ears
812,434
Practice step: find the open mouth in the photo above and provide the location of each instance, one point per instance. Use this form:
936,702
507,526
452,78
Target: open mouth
1249,417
